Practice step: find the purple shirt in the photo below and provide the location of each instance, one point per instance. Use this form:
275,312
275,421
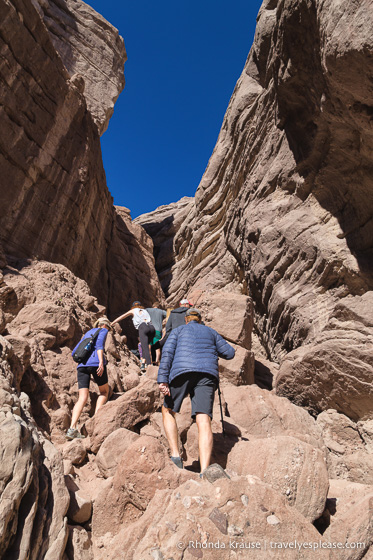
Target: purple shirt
99,345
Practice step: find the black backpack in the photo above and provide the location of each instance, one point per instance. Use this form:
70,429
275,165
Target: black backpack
85,348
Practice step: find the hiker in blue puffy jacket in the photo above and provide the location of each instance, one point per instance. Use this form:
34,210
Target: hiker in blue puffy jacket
94,367
189,365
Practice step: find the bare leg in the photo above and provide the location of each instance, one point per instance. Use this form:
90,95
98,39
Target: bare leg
158,355
170,428
205,439
104,394
79,405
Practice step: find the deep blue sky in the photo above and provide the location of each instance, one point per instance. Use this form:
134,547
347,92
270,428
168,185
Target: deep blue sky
184,59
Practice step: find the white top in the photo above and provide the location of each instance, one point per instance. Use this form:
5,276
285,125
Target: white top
140,316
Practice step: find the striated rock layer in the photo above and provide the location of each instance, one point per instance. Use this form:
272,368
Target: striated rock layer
284,210
54,199
91,50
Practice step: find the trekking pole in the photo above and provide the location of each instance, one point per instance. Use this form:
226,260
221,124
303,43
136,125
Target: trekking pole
221,410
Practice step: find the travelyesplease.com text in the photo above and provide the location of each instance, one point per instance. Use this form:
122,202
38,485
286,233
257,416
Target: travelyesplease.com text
265,545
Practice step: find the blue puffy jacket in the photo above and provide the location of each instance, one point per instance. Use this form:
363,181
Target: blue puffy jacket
193,347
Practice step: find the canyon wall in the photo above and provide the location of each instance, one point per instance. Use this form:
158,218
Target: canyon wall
284,210
61,70
256,227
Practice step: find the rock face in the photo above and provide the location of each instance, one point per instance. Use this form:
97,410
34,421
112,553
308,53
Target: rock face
283,212
47,482
350,453
44,310
162,225
92,52
200,520
56,205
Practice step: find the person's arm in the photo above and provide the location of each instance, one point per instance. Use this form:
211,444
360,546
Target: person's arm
124,316
100,369
100,346
225,350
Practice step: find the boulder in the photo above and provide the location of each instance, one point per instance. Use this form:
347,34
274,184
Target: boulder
230,314
80,508
16,473
75,451
133,407
349,456
144,468
240,370
335,371
34,498
351,521
46,318
19,359
203,520
263,414
294,468
112,449
79,544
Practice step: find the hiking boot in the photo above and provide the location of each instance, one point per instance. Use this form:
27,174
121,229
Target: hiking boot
213,472
177,461
73,433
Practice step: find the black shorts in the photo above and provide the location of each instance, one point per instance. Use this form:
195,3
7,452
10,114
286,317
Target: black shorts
84,376
200,387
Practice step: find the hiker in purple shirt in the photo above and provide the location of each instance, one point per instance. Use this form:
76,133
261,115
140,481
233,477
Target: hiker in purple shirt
95,366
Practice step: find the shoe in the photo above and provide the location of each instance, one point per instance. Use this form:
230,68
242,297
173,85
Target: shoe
143,368
177,461
213,472
73,433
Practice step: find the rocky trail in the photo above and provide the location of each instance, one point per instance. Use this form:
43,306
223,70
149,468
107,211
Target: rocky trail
274,250
98,496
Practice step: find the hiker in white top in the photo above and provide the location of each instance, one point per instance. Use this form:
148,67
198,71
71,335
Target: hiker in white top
142,322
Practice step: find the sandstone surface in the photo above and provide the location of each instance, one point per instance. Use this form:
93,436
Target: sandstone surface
349,457
351,519
127,411
238,510
111,451
162,225
265,415
143,469
92,52
294,468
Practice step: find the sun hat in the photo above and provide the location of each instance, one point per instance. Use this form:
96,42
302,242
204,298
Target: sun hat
102,321
183,301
